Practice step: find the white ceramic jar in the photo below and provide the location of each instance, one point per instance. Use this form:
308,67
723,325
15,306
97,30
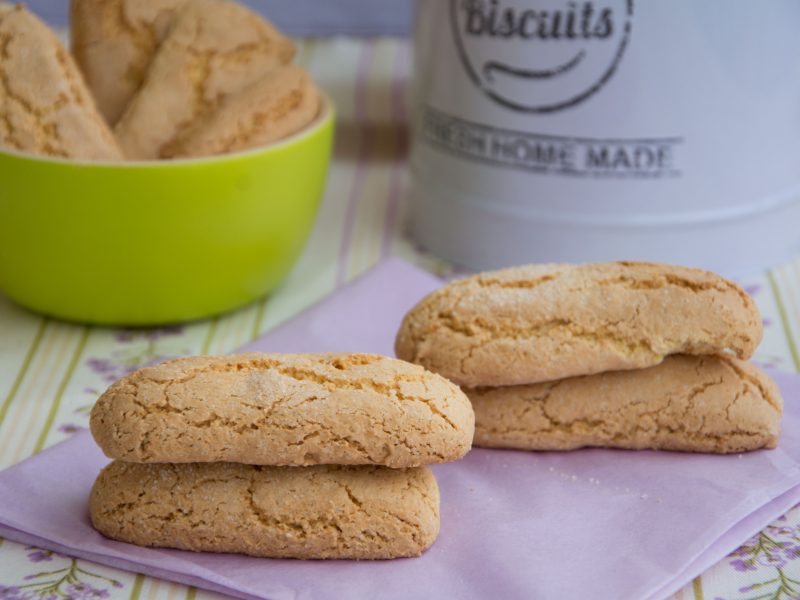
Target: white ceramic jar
581,130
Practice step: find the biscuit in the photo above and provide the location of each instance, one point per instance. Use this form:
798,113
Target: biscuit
284,409
546,322
274,107
214,49
45,107
113,42
687,403
277,512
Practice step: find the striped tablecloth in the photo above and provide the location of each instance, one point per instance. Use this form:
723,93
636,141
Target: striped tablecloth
51,372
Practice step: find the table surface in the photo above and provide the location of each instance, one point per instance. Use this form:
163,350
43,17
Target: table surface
51,372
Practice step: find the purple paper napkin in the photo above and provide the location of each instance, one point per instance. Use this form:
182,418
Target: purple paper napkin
588,524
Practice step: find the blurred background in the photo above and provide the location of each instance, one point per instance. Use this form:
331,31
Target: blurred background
361,54
300,17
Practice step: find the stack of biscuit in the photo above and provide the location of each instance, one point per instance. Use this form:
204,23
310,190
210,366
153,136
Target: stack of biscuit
285,456
619,355
150,79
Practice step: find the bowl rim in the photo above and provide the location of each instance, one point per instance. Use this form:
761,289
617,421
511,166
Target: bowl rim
326,114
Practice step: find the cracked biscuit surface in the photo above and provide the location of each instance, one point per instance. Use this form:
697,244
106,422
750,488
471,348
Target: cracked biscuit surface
113,42
269,110
214,49
284,409
45,107
278,512
546,322
687,403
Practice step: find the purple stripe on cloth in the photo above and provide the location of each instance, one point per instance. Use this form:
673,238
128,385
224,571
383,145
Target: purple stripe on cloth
298,17
400,121
364,146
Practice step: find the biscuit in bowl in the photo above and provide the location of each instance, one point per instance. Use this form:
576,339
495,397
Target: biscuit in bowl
213,50
45,107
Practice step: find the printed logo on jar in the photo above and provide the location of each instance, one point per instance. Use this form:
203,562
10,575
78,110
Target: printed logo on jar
541,56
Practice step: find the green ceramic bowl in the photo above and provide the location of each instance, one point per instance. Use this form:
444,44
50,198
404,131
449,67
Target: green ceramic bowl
146,243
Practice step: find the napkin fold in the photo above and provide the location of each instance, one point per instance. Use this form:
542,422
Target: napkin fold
585,524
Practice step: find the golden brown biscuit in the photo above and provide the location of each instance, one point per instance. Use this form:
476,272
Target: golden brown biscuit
277,512
214,49
274,107
45,107
547,322
113,42
284,409
687,403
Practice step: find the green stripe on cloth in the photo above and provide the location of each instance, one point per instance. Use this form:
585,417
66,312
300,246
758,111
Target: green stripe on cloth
137,587
26,363
212,330
697,588
51,415
259,319
787,329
